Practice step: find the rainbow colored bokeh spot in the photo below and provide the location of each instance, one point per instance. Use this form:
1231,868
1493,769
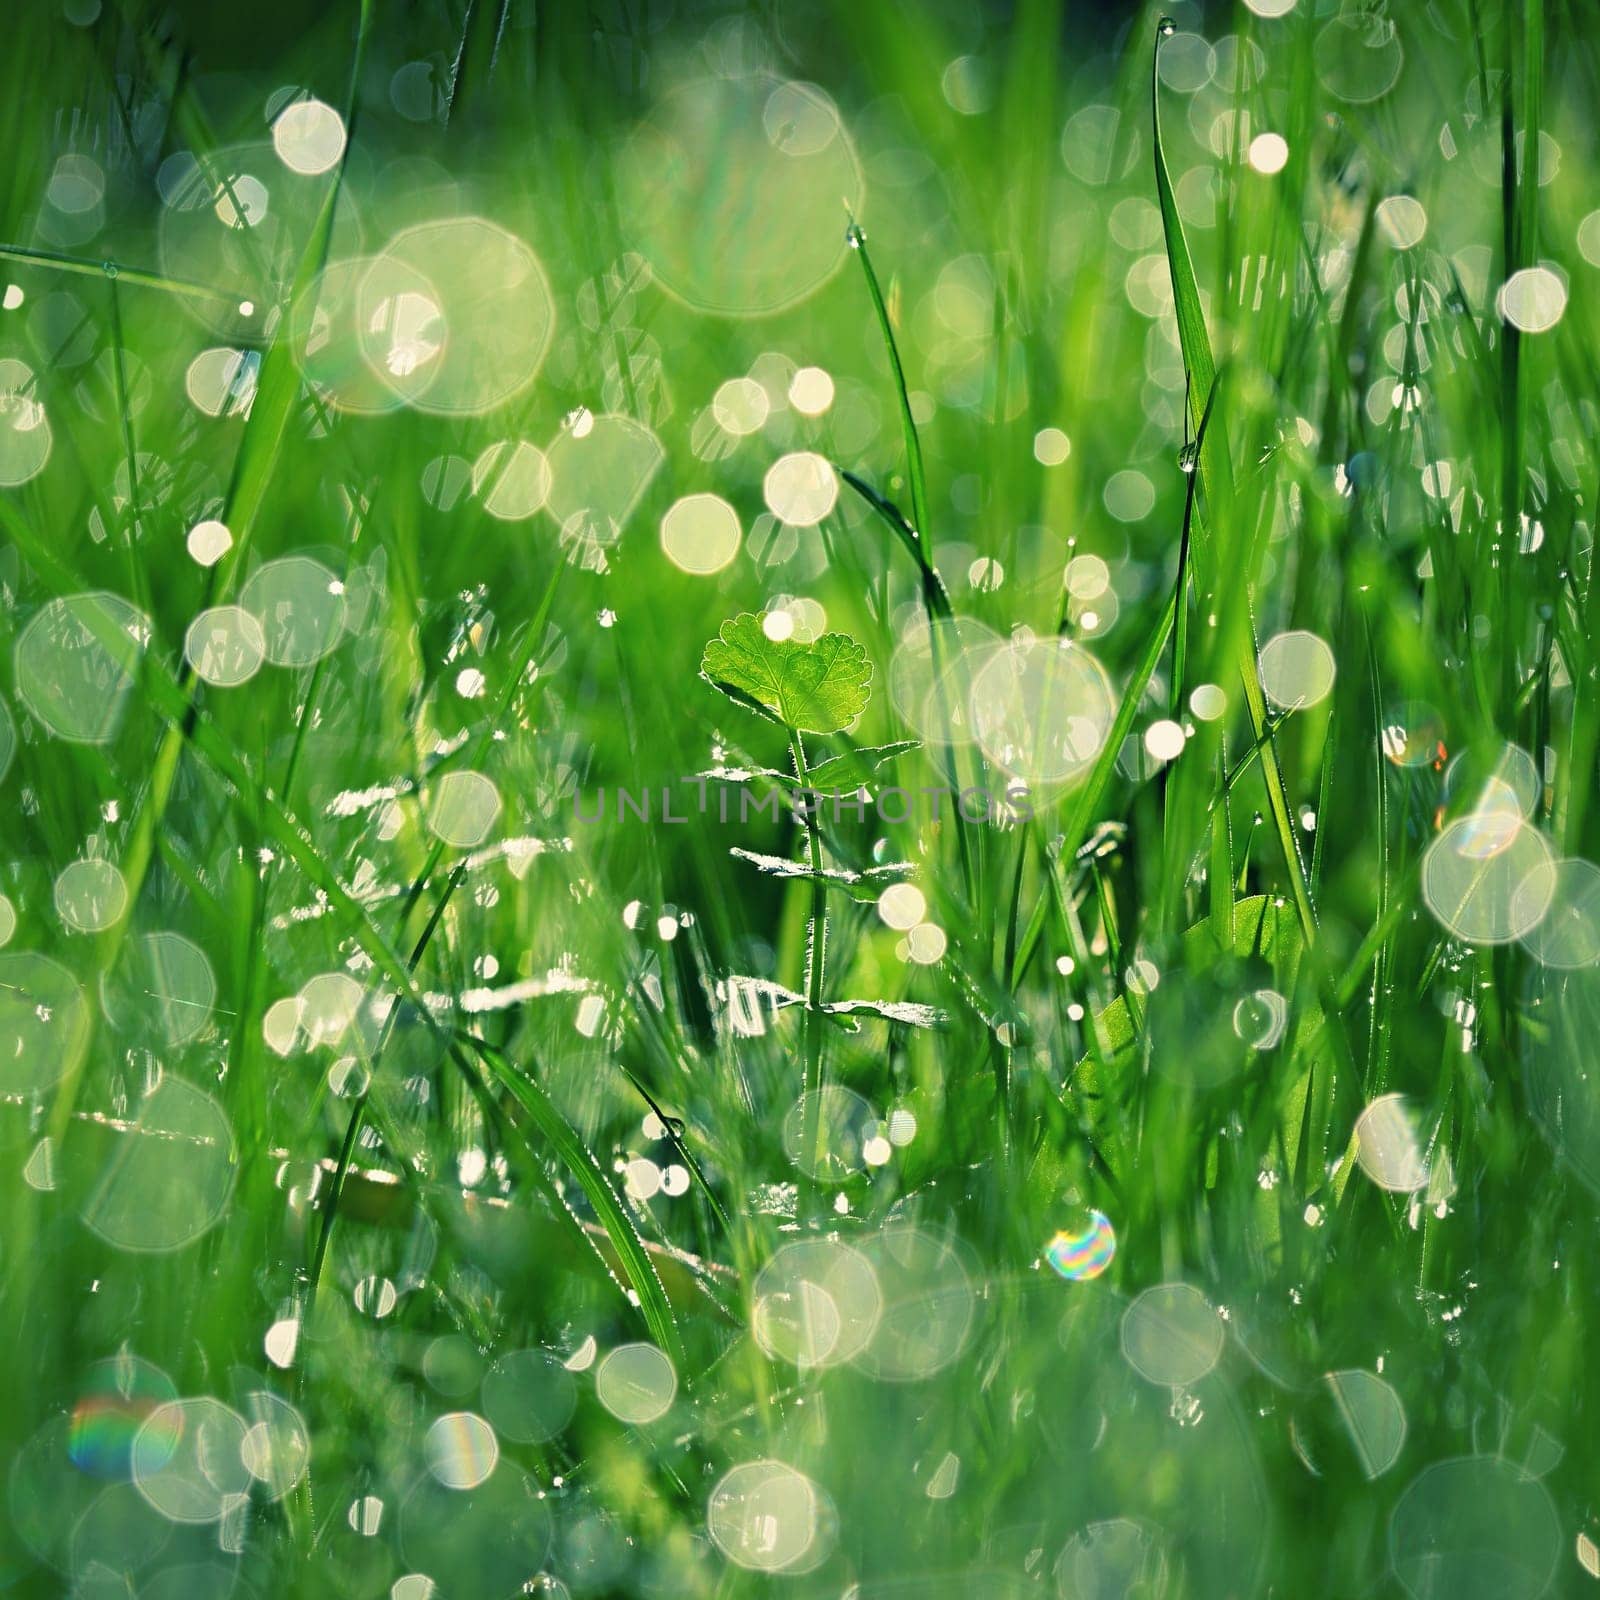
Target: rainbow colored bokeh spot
117,1398
1085,1254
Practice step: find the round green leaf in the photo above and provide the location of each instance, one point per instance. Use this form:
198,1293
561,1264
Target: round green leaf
816,687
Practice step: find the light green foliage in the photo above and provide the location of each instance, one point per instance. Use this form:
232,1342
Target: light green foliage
813,686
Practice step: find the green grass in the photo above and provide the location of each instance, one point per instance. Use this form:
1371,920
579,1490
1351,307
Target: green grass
382,1124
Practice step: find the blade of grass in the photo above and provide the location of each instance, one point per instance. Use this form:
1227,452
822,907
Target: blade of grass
917,536
480,43
908,425
358,1110
1213,462
564,1139
936,598
1217,474
119,271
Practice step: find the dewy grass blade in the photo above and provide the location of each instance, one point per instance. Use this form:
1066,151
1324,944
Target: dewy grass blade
277,389
358,1110
915,536
564,1139
936,599
480,42
291,835
119,271
278,384
1180,642
1172,874
1217,481
915,471
1214,465
1090,797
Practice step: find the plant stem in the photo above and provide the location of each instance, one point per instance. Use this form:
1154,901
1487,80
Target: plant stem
816,959
358,1111
116,270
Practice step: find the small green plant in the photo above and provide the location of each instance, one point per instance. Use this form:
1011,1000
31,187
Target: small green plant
819,686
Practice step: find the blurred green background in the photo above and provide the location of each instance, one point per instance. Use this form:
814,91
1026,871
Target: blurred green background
1181,1185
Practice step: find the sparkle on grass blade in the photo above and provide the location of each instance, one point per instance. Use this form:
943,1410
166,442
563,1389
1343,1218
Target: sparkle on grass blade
1085,1254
